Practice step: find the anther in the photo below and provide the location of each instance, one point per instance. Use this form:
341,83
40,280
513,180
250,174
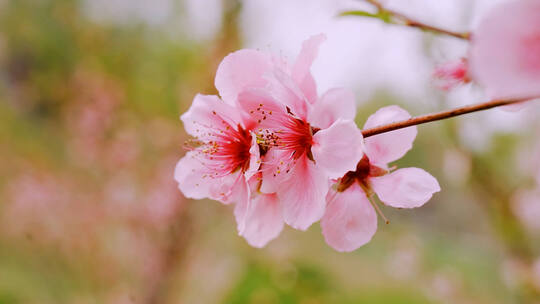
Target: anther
386,221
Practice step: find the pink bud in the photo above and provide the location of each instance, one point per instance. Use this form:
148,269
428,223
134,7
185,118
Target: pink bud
451,74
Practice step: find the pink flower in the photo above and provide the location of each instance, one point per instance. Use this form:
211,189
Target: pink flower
350,220
451,74
505,51
306,140
224,156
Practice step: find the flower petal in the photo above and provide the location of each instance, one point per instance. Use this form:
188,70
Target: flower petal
349,221
405,188
273,171
301,69
334,104
239,70
242,206
228,189
505,50
338,149
195,182
283,88
189,174
254,159
209,113
303,195
262,109
388,147
517,106
262,220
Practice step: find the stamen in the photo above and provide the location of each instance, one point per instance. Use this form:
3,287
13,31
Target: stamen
374,204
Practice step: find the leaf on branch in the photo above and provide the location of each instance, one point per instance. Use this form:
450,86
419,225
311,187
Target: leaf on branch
384,16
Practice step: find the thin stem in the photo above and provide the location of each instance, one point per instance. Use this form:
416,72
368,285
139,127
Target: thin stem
374,204
439,116
407,21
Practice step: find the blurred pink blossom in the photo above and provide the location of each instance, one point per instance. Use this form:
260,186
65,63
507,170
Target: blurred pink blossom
90,114
451,74
350,220
123,149
513,272
526,207
535,274
505,50
161,201
40,206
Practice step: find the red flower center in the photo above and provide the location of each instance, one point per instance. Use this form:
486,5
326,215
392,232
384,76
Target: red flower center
296,137
364,170
227,152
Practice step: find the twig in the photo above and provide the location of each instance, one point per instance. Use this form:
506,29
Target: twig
439,116
178,238
407,21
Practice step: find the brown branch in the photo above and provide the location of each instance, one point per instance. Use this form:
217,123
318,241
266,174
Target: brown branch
173,255
407,21
439,116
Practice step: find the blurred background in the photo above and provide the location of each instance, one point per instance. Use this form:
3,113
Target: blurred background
90,95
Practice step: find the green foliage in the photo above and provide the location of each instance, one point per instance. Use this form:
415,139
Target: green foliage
382,15
303,283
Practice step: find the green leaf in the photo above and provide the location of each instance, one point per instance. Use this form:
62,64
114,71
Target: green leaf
359,13
384,16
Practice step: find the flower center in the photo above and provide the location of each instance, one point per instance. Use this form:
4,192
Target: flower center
294,135
364,170
298,138
226,152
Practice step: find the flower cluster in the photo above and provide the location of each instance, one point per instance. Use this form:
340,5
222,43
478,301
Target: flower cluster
285,155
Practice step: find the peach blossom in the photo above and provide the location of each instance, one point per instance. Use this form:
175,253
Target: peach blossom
350,220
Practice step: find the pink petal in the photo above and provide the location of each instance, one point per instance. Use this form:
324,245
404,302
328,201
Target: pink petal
240,70
301,69
517,106
405,188
261,108
350,221
228,189
274,172
208,112
255,158
195,182
263,220
283,89
338,149
505,50
388,147
309,88
242,206
451,74
189,174
334,104
303,195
